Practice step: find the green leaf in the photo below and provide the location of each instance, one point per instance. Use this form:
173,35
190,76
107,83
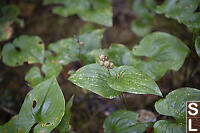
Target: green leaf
52,65
164,52
130,79
23,49
34,76
91,40
142,24
124,121
174,103
64,125
141,8
141,27
98,11
164,126
197,45
183,11
10,14
94,78
101,13
70,7
43,105
120,55
67,50
86,28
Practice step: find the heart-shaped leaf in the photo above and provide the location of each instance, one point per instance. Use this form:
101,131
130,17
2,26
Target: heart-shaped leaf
164,126
174,103
130,79
94,78
124,121
64,125
43,106
23,49
164,52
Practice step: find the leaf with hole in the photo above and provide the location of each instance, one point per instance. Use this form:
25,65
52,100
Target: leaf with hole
23,49
124,121
129,79
43,106
164,52
94,78
64,125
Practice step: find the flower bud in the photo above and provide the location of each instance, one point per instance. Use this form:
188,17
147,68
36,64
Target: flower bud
101,57
111,66
101,63
106,64
106,58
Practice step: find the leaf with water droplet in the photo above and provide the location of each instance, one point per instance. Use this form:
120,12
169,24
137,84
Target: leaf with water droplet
124,121
94,78
129,79
164,126
174,103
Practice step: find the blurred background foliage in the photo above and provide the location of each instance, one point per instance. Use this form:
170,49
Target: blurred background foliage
132,19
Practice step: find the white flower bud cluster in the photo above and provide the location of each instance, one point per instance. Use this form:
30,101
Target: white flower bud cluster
104,61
